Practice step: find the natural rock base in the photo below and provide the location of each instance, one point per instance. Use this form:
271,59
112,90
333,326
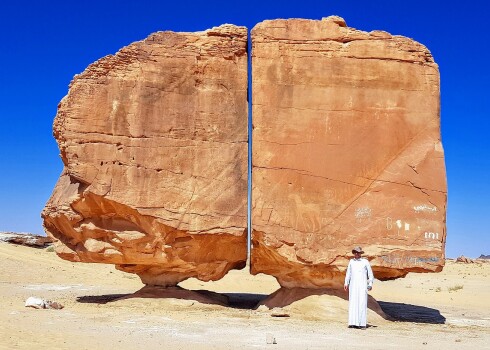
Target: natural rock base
178,294
318,304
165,277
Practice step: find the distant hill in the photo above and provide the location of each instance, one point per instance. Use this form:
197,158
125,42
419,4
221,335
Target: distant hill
484,257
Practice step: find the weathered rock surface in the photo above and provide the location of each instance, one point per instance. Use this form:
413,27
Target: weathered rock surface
27,239
465,260
346,152
154,143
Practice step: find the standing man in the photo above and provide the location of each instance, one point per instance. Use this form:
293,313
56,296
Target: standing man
359,279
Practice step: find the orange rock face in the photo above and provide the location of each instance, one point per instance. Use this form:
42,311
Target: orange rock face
346,152
154,143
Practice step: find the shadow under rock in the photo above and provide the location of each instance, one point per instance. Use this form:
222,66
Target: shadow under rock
100,299
412,313
157,292
246,301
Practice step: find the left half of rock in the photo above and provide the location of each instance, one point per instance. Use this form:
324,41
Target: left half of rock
154,145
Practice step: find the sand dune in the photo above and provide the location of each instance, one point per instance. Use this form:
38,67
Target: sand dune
445,310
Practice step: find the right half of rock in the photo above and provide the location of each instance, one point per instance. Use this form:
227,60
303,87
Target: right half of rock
346,152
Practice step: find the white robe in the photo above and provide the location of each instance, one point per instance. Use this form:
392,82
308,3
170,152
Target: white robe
358,277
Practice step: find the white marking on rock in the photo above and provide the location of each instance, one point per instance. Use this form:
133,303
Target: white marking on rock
399,223
424,208
364,212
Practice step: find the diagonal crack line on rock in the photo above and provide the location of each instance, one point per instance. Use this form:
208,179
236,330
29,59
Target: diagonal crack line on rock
400,60
180,220
215,228
307,173
232,185
414,168
424,192
390,161
219,177
411,184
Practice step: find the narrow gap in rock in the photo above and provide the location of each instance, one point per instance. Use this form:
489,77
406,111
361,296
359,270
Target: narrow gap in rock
249,187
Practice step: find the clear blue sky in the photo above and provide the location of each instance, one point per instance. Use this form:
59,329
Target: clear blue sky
45,43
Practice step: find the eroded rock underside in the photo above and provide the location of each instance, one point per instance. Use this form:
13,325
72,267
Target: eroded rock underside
154,143
346,152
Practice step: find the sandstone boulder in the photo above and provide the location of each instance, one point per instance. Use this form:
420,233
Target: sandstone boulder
154,145
26,239
465,260
346,151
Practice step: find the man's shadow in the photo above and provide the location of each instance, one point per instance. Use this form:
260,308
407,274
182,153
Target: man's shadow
412,313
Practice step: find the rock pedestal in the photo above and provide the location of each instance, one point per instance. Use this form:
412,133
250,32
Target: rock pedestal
346,152
154,144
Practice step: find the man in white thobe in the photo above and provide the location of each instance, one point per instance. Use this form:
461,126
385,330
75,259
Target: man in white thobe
359,279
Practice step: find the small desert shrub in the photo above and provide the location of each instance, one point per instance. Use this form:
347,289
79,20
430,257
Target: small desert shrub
50,249
438,289
455,288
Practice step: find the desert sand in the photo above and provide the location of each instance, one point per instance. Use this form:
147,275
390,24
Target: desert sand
445,310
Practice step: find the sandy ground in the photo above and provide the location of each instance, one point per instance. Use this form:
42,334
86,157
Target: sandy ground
449,310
